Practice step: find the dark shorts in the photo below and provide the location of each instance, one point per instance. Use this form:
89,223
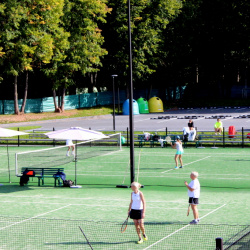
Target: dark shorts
194,201
135,214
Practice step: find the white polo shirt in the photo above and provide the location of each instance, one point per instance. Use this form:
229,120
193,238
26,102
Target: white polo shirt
194,184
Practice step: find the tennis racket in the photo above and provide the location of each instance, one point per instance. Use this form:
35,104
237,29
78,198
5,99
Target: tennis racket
188,210
168,139
124,225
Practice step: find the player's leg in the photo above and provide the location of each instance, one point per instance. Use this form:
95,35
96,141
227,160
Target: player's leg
141,222
73,150
180,159
137,227
195,202
68,151
176,161
195,211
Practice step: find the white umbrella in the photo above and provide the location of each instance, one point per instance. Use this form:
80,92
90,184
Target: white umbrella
78,134
9,133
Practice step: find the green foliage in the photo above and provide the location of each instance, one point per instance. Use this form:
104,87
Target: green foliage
84,54
29,32
148,21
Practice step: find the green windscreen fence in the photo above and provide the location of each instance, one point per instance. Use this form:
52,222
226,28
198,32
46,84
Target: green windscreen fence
87,100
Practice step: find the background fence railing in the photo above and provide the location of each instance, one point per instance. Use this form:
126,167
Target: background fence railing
240,139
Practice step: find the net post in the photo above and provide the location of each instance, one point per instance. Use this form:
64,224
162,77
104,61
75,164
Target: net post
219,243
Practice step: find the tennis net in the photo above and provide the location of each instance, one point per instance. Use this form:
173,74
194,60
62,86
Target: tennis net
43,233
239,241
57,156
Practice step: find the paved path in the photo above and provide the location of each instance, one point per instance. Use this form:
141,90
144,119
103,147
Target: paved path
144,122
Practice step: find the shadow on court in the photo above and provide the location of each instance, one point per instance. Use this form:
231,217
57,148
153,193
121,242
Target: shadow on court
10,188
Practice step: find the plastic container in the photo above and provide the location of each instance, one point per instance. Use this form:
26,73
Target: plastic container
143,105
155,105
125,107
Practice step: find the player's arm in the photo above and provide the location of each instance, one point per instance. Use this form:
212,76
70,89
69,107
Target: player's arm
189,188
144,205
129,208
173,146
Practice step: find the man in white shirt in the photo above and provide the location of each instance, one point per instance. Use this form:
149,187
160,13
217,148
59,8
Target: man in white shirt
194,194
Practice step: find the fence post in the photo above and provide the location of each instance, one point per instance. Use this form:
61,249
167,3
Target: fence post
127,137
223,137
18,138
242,137
166,131
219,243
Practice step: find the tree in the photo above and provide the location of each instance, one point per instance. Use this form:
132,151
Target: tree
29,33
81,19
148,21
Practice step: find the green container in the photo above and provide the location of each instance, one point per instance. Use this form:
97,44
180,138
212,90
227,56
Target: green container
143,105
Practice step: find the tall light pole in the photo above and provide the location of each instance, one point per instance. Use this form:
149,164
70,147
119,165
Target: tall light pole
113,76
131,114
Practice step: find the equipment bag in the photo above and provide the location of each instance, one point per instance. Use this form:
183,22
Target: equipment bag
68,183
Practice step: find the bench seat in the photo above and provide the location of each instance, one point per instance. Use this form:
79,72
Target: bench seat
42,173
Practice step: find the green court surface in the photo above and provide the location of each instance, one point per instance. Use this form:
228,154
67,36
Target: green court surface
46,217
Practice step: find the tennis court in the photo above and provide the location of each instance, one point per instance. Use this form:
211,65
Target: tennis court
45,217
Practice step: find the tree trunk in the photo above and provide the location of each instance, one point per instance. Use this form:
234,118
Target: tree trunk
62,99
16,108
57,109
25,93
149,91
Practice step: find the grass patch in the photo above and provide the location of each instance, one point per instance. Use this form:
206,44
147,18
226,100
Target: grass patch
25,128
94,111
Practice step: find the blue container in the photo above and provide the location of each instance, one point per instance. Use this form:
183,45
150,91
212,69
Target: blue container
125,107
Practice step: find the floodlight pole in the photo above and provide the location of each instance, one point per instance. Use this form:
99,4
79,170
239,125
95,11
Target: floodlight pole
114,101
131,114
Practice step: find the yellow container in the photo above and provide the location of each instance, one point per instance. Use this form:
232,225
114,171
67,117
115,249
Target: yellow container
155,105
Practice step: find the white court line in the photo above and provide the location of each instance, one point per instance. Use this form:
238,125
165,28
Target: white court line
190,163
167,171
34,217
182,228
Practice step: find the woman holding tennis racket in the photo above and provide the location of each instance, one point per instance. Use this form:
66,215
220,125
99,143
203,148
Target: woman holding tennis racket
137,209
179,152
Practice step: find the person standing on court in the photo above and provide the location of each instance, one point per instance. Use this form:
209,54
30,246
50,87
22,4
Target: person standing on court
218,127
194,195
70,145
179,152
137,210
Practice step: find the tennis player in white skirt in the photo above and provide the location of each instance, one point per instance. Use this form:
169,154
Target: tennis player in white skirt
137,210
